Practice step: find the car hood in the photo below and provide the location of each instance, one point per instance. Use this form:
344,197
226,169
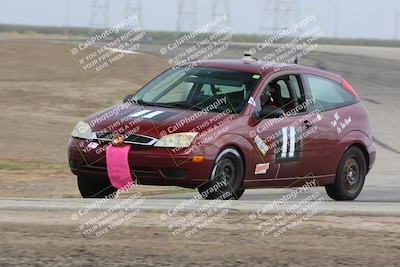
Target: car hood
153,121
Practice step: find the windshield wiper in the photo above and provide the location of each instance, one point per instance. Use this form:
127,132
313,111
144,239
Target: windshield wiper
185,105
166,105
143,103
136,101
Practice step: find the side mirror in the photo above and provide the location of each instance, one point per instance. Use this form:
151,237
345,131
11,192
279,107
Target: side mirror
128,98
269,112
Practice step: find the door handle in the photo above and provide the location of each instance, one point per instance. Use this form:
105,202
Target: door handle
307,124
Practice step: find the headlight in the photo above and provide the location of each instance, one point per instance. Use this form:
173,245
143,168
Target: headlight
83,130
180,140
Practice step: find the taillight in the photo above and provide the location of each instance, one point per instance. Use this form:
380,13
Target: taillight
348,87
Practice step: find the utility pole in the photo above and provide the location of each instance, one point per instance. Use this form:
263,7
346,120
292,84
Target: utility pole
221,8
99,18
134,8
396,24
336,20
186,16
278,15
67,13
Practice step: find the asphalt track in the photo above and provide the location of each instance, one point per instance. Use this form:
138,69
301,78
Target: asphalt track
243,206
374,72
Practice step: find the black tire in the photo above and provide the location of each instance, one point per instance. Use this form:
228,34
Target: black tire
95,187
228,170
350,176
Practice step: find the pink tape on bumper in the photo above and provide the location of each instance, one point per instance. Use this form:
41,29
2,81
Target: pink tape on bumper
117,166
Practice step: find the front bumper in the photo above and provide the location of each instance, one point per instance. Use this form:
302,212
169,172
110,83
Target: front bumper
149,165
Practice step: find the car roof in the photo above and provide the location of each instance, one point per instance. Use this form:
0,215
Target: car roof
264,68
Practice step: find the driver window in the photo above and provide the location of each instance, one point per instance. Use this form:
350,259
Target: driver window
284,92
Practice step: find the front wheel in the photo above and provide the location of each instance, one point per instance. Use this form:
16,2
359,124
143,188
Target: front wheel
350,176
226,180
95,187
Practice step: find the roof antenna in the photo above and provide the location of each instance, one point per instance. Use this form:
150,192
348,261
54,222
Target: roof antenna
248,57
296,60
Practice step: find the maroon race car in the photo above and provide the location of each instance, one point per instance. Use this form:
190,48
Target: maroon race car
238,124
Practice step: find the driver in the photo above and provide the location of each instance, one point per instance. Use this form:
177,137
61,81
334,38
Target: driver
267,98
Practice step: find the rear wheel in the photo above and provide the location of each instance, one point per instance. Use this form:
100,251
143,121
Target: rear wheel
226,180
350,176
95,187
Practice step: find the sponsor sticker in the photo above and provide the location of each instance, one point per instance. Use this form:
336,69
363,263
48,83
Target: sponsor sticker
340,126
252,101
261,145
261,168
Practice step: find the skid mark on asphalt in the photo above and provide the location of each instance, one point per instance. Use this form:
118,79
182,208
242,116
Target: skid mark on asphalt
373,101
386,146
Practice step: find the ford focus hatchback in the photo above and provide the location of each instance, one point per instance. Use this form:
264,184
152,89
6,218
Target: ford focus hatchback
223,126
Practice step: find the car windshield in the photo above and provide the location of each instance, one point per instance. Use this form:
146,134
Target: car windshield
216,90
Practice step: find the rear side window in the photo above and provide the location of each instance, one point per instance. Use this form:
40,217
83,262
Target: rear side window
328,94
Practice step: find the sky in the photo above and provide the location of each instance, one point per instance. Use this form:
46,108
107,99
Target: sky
338,18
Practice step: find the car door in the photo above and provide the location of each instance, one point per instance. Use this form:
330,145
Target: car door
296,130
282,135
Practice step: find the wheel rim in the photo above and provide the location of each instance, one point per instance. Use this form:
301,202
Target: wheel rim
352,175
226,170
228,166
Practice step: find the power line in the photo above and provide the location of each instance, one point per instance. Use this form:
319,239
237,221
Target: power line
186,16
278,15
67,14
396,24
99,17
221,8
134,8
336,20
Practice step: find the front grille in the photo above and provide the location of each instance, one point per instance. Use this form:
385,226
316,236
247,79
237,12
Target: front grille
138,139
135,139
136,172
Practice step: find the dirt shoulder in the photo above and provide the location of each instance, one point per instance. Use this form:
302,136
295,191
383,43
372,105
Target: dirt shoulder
43,94
51,238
